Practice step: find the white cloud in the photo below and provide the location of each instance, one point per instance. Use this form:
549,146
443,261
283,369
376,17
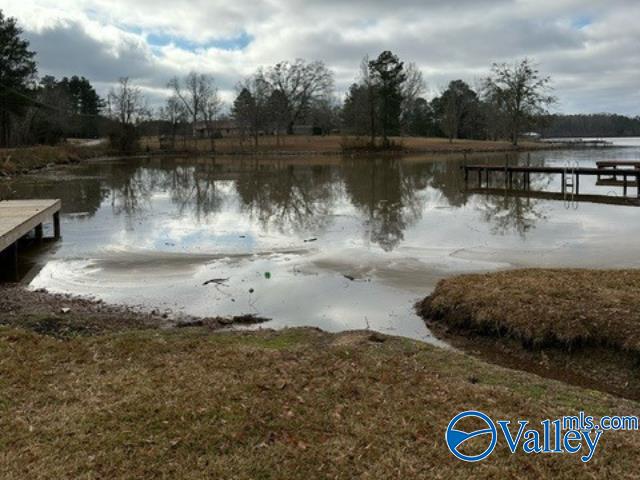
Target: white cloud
590,48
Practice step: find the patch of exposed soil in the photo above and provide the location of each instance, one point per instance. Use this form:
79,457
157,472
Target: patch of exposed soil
64,315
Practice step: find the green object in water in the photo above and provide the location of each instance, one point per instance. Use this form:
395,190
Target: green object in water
267,275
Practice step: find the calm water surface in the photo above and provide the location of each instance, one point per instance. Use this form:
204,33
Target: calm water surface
330,242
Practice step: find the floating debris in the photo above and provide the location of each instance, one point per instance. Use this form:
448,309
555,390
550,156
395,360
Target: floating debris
217,281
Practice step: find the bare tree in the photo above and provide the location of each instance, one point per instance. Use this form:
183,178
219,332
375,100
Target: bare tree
174,114
412,88
360,109
278,114
451,117
250,108
520,91
211,106
301,83
191,92
126,106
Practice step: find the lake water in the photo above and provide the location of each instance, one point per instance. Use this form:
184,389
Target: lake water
337,243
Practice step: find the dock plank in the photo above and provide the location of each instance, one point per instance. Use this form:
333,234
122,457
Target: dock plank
19,217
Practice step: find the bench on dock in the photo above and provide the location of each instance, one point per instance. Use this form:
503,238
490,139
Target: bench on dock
616,164
19,217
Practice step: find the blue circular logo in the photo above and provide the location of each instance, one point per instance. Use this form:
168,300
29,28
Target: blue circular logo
456,438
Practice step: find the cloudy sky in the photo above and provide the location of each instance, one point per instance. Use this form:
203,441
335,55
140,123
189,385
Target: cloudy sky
591,48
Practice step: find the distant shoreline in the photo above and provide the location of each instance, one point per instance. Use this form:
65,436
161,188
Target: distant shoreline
24,160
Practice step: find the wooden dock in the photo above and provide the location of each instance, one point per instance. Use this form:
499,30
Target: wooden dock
570,176
18,218
541,195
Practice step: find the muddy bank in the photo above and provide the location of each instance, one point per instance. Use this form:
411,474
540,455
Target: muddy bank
66,316
578,326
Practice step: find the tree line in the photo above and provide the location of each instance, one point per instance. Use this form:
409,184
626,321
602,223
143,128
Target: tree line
385,101
43,111
592,125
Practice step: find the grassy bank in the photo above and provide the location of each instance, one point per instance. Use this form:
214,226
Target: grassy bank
576,325
14,161
142,402
17,161
545,307
335,144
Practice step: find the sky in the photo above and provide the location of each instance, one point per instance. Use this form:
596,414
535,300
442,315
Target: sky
590,48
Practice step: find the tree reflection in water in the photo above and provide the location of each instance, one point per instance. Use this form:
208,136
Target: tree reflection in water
196,190
385,191
508,214
517,213
293,197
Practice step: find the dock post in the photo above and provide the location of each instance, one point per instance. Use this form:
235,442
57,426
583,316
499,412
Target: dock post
577,183
39,234
56,225
12,259
479,178
624,183
564,185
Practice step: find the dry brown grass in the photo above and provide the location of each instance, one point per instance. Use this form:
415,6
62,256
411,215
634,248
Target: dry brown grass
540,307
331,144
22,160
294,404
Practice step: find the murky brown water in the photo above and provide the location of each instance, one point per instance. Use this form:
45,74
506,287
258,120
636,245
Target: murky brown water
331,242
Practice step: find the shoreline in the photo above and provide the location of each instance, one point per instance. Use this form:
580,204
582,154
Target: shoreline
545,321
597,366
119,403
67,316
25,160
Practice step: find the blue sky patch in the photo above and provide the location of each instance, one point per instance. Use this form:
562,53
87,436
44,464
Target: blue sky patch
582,21
236,42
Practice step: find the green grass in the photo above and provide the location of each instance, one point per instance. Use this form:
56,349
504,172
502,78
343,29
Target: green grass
299,403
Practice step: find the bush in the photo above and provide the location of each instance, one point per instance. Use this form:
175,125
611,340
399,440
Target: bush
124,138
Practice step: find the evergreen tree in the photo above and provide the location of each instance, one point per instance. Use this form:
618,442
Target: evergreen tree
387,72
17,75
